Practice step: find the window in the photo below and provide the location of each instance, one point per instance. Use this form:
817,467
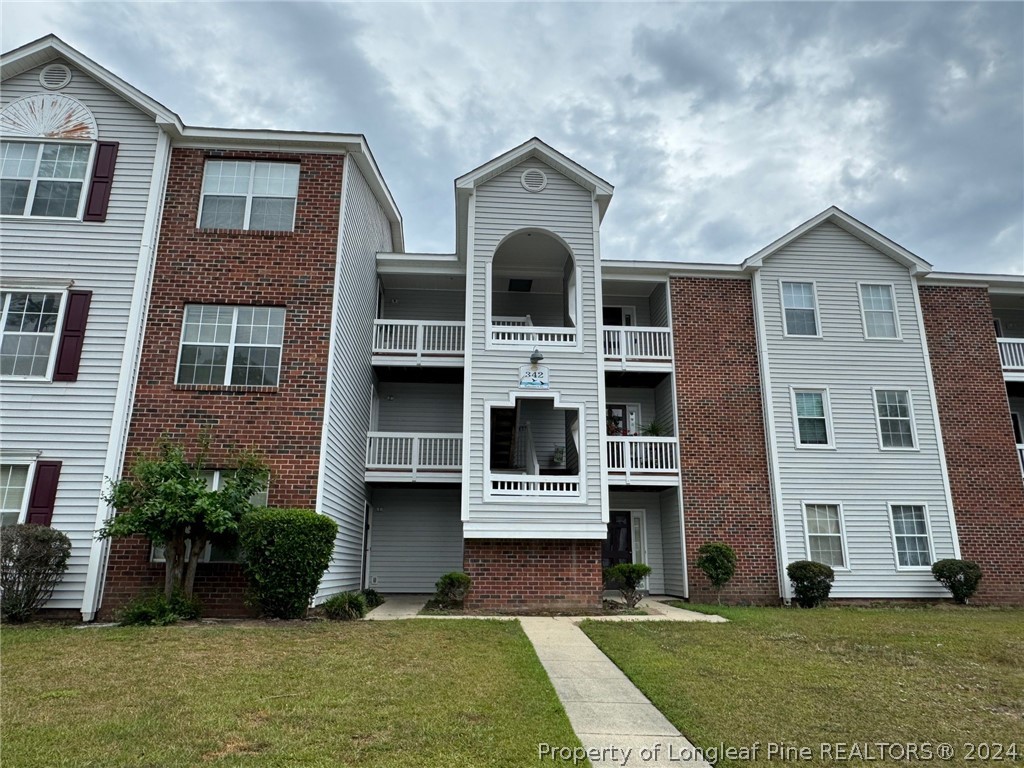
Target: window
13,484
895,418
879,312
910,533
243,194
813,421
231,345
28,327
825,534
43,178
800,309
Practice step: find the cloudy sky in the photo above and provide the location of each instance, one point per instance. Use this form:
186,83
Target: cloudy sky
721,125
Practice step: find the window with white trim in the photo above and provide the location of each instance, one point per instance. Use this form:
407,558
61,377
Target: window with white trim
813,425
43,178
28,329
13,491
879,309
910,532
248,194
799,309
825,534
895,418
231,345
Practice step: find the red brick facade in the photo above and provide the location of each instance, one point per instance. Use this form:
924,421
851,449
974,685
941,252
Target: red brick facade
294,270
984,473
526,575
724,463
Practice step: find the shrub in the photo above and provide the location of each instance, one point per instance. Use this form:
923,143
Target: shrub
718,562
158,610
627,577
345,606
452,589
812,582
286,552
33,558
373,598
960,577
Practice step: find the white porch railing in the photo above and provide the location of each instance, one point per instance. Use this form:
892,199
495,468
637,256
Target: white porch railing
419,338
534,485
413,453
648,345
521,330
1011,353
642,458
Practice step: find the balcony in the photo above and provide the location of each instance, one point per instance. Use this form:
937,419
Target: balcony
409,457
1011,354
642,460
544,486
419,342
521,330
639,349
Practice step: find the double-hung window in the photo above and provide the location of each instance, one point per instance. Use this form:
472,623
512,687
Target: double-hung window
43,178
895,417
247,194
910,535
799,309
879,311
29,324
812,419
231,345
825,534
13,492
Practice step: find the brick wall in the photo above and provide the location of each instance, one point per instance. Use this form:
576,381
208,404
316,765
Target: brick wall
526,575
984,473
294,270
724,465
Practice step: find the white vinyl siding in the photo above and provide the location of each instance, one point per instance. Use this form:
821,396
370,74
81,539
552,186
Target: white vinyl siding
672,543
244,194
411,407
879,311
911,535
825,534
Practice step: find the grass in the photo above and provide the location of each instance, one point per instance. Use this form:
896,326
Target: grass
907,675
423,693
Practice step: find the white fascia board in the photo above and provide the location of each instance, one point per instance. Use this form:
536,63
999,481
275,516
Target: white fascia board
1003,284
419,264
625,270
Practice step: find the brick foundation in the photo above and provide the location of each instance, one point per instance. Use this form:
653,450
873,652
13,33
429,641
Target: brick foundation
984,473
724,462
533,575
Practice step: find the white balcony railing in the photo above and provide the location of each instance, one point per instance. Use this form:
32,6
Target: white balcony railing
521,330
412,454
419,339
1011,353
534,485
638,345
642,459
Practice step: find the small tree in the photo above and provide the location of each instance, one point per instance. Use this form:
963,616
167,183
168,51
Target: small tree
33,559
960,577
718,562
627,577
165,498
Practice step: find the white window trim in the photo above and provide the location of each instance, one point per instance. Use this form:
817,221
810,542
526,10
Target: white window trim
56,334
817,312
826,402
230,346
248,194
878,419
86,181
928,529
895,312
842,533
30,478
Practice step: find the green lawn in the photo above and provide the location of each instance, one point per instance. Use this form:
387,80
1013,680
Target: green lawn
414,693
907,675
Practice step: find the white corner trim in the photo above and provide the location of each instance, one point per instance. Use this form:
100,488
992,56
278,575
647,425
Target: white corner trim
602,395
467,380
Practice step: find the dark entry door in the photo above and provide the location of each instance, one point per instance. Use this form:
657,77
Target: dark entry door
618,547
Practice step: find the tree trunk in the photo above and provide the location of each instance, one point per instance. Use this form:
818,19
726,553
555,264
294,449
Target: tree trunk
174,559
198,546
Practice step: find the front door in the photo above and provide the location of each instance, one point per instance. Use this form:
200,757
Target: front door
618,547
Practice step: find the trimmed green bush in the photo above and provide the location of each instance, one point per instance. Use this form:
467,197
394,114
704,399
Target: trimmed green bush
960,577
33,559
373,598
157,610
718,562
627,577
345,606
812,582
452,589
286,552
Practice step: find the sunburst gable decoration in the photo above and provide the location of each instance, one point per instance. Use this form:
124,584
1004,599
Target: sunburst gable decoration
47,116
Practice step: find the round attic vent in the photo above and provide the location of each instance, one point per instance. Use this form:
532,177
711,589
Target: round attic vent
55,76
534,180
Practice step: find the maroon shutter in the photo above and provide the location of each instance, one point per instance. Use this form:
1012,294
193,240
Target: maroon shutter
102,181
72,336
44,493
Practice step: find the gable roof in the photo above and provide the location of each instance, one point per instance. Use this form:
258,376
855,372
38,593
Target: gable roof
858,229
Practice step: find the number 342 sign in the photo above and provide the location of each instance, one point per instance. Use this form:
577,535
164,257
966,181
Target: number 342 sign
533,377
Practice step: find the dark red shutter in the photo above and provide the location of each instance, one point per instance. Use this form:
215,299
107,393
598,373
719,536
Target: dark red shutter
102,181
44,493
69,349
